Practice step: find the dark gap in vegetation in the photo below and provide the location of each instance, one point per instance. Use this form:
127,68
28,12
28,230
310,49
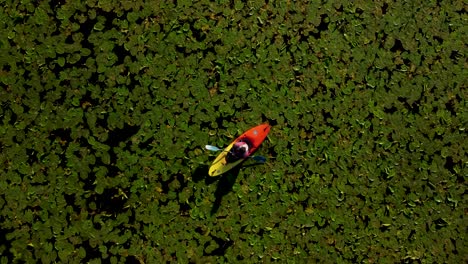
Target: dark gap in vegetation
87,98
167,83
6,243
381,37
323,26
182,182
12,44
286,42
365,220
198,34
89,184
85,42
361,197
132,260
185,207
222,246
132,82
109,201
450,106
65,84
199,230
397,46
384,228
439,40
69,39
91,252
56,4
165,186
97,224
84,139
321,90
430,185
217,77
242,229
121,135
87,27
411,235
146,144
340,228
450,166
437,136
219,122
7,67
108,18
272,152
293,188
388,191
206,124
101,122
390,110
112,169
260,232
339,9
455,56
407,190
342,25
359,11
454,247
406,62
327,117
384,8
140,20
199,174
325,224
31,157
121,53
211,47
70,200
60,134
132,225
270,121
437,58
413,108
13,118
181,49
295,162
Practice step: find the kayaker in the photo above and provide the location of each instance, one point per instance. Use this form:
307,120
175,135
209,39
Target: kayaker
240,150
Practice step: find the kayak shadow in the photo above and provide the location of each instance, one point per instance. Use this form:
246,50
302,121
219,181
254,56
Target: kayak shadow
201,173
225,184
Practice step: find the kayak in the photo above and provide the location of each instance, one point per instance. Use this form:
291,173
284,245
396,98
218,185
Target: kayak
254,136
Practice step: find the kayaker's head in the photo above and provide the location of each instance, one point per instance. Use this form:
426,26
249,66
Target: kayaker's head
241,148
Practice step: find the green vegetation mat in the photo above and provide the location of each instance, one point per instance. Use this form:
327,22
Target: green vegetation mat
106,107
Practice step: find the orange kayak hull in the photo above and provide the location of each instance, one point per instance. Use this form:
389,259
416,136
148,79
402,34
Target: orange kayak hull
255,136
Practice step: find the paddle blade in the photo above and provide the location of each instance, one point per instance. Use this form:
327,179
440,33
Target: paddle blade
212,148
260,159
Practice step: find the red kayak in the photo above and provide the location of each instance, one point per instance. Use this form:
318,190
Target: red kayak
253,137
